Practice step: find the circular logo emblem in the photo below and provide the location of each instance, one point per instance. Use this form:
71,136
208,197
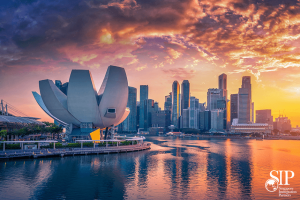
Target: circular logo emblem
271,185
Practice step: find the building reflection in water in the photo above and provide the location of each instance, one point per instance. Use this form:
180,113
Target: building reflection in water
173,169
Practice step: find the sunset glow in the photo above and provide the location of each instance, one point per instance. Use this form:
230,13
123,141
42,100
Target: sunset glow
157,42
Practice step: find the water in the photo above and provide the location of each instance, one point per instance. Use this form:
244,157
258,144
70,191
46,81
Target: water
173,169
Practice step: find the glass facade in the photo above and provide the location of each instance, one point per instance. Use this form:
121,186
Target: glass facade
175,103
143,97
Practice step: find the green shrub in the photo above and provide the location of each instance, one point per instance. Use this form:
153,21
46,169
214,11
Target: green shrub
10,146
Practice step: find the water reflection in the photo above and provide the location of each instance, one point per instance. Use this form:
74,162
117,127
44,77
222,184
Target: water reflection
173,169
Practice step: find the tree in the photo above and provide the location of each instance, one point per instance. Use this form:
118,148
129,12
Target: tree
3,133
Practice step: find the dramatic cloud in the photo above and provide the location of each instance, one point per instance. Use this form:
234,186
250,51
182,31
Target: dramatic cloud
177,39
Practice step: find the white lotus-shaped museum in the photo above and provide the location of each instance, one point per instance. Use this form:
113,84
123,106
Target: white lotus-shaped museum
83,104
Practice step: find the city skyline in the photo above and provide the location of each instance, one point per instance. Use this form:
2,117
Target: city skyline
190,40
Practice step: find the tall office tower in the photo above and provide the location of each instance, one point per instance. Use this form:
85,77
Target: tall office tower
156,107
245,101
193,113
143,97
185,95
58,84
129,124
264,116
168,102
161,119
175,103
233,107
246,83
202,120
223,84
217,120
148,110
244,115
64,88
137,115
185,118
207,120
202,106
213,95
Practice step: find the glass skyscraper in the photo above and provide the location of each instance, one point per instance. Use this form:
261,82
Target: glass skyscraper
129,124
185,95
168,102
143,96
233,107
223,84
175,103
245,101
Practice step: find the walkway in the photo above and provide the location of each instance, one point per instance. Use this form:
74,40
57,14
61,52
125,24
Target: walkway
11,154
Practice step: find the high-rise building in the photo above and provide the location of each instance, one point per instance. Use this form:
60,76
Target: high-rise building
64,88
233,107
217,120
244,115
168,102
185,118
194,113
202,106
223,84
245,106
143,97
264,116
185,95
175,103
161,119
148,110
202,120
207,120
129,124
156,107
137,115
213,95
245,110
58,84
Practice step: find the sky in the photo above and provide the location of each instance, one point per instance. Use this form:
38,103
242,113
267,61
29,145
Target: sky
157,42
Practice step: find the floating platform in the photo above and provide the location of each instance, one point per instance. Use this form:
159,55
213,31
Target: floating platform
41,153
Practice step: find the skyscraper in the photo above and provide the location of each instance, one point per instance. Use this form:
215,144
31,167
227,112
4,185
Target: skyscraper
217,120
244,106
148,110
213,95
162,119
143,97
223,84
175,103
129,124
233,107
58,84
156,107
168,102
194,113
64,88
185,95
132,96
245,101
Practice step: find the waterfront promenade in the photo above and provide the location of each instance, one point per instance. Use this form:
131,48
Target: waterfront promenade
38,153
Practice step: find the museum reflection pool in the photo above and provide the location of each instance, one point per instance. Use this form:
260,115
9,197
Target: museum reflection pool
174,168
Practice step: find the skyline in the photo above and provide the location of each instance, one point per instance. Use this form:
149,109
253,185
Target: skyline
157,43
